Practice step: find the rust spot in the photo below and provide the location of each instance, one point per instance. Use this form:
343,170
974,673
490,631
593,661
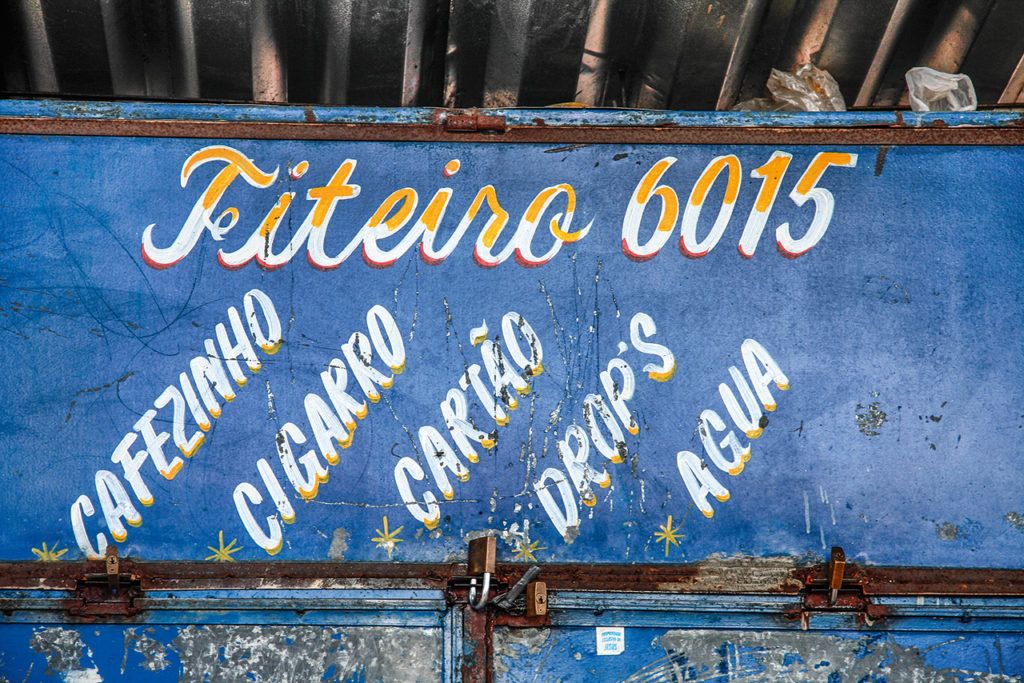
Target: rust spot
310,116
883,152
947,531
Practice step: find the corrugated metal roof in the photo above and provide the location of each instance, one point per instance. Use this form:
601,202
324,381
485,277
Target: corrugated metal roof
659,54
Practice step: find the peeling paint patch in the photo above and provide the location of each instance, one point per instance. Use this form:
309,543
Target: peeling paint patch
870,418
63,649
739,572
339,544
1016,519
512,643
281,654
811,657
154,654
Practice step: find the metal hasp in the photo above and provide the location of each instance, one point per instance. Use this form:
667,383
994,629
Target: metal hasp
478,621
836,567
829,589
507,600
112,593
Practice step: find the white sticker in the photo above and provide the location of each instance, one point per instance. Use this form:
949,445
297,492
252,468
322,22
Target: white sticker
611,640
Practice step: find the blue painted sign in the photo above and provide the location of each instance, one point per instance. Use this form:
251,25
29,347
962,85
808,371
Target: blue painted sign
239,349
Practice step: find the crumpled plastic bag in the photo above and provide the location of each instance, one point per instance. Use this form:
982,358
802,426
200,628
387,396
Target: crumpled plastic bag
807,89
761,104
932,90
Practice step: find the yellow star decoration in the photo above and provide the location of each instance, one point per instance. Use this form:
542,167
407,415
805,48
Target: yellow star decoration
49,554
223,553
669,535
387,539
525,551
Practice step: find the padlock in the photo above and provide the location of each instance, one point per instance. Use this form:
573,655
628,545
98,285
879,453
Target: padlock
536,599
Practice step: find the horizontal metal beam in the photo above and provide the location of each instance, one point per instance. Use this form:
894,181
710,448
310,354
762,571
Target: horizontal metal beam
748,576
937,133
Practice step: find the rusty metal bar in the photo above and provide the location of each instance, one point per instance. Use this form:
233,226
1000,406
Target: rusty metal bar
937,133
127,76
948,48
477,634
1013,93
337,45
593,78
269,74
738,577
41,72
506,54
750,24
452,55
884,52
186,82
811,39
412,63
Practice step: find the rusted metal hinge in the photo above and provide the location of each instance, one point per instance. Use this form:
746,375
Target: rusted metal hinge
470,122
111,593
836,593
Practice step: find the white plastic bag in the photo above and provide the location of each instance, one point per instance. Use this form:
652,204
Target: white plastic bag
807,89
932,90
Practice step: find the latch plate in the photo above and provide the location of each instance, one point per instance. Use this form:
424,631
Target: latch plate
837,592
112,593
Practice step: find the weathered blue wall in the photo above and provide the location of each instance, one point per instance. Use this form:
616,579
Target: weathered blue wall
898,332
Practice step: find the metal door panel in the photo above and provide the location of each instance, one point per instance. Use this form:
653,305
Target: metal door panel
224,635
220,652
717,656
718,638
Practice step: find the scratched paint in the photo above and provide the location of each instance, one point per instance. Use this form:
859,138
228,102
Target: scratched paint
717,656
566,376
269,653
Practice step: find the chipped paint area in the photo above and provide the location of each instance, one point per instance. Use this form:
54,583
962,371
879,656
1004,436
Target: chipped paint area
512,643
870,418
704,655
739,573
754,653
64,649
339,544
269,654
307,653
154,654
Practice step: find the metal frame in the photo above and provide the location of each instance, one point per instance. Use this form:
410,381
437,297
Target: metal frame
567,126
